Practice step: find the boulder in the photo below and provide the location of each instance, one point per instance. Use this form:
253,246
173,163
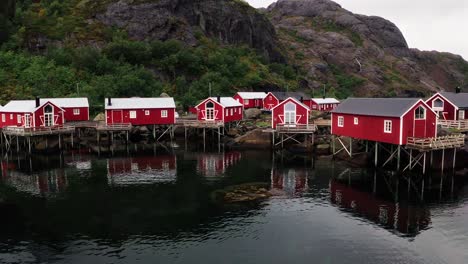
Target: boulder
253,113
323,149
100,117
254,138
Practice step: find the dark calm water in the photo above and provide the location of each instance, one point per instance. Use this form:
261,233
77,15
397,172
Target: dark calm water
156,207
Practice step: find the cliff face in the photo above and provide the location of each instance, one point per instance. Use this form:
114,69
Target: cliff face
357,54
230,22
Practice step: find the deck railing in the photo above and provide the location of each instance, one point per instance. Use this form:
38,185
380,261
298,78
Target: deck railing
457,124
36,131
298,128
115,127
322,122
199,123
445,142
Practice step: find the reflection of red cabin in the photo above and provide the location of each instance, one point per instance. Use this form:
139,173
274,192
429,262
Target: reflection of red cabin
450,106
290,112
140,111
220,109
142,170
387,120
32,114
294,182
43,184
250,99
212,165
323,104
272,99
404,218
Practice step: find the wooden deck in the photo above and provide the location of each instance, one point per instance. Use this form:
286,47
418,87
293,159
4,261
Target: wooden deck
193,123
31,132
322,122
461,125
114,127
428,144
293,129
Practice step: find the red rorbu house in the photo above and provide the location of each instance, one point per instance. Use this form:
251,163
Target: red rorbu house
219,109
385,120
450,106
250,99
272,99
32,114
76,109
323,104
290,112
140,111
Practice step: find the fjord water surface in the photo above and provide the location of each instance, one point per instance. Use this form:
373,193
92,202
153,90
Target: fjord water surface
159,208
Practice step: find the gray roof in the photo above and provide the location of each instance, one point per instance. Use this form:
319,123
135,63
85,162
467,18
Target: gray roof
459,99
391,107
285,95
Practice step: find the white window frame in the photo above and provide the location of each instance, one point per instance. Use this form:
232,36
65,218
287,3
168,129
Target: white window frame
388,126
133,114
3,118
246,101
232,112
18,118
11,116
438,107
227,112
163,113
356,121
460,115
147,112
416,111
76,111
340,121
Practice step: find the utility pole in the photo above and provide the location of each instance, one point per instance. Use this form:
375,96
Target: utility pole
209,88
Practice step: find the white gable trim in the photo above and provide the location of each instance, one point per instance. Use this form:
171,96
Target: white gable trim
292,99
209,99
420,100
442,97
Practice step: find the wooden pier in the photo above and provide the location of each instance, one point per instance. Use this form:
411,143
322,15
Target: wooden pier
460,125
217,127
290,132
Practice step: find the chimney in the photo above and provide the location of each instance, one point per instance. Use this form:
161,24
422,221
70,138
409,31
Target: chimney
38,101
218,98
324,96
458,89
109,101
302,99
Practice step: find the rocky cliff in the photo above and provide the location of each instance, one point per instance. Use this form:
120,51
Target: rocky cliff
359,55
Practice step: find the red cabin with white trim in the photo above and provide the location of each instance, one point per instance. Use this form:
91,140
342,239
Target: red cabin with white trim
450,106
323,104
272,99
219,109
31,114
250,99
290,112
76,109
140,111
386,120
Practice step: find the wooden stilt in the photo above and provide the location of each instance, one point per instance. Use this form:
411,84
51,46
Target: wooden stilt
424,163
71,138
60,141
443,159
367,146
398,158
376,154
29,145
351,147
454,158
411,159
17,144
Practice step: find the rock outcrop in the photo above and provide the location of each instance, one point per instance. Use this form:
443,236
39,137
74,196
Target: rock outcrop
359,55
231,22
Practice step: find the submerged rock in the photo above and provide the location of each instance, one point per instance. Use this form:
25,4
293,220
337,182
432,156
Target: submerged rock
250,192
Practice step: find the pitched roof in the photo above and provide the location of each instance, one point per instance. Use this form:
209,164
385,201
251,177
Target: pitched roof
227,101
252,95
459,99
391,107
140,103
284,95
293,99
325,100
28,106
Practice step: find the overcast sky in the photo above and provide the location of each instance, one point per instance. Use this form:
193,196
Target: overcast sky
426,24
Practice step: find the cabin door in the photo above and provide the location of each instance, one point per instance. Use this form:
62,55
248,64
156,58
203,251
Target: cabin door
419,127
461,115
27,120
209,112
290,114
117,116
48,116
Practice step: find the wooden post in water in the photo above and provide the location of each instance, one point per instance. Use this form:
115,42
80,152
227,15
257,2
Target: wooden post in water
411,159
351,147
443,159
17,144
454,158
376,154
60,141
424,163
398,157
29,144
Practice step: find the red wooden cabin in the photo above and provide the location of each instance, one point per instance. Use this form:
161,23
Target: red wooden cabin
219,109
323,104
272,99
140,111
290,112
450,106
386,120
250,99
32,114
76,109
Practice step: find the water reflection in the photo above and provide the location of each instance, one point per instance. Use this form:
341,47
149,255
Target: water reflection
216,164
291,182
142,170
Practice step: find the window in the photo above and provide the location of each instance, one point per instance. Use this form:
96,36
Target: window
227,112
11,116
132,114
164,113
438,103
461,115
356,121
388,126
3,118
147,112
340,121
232,111
76,111
246,101
420,113
19,119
